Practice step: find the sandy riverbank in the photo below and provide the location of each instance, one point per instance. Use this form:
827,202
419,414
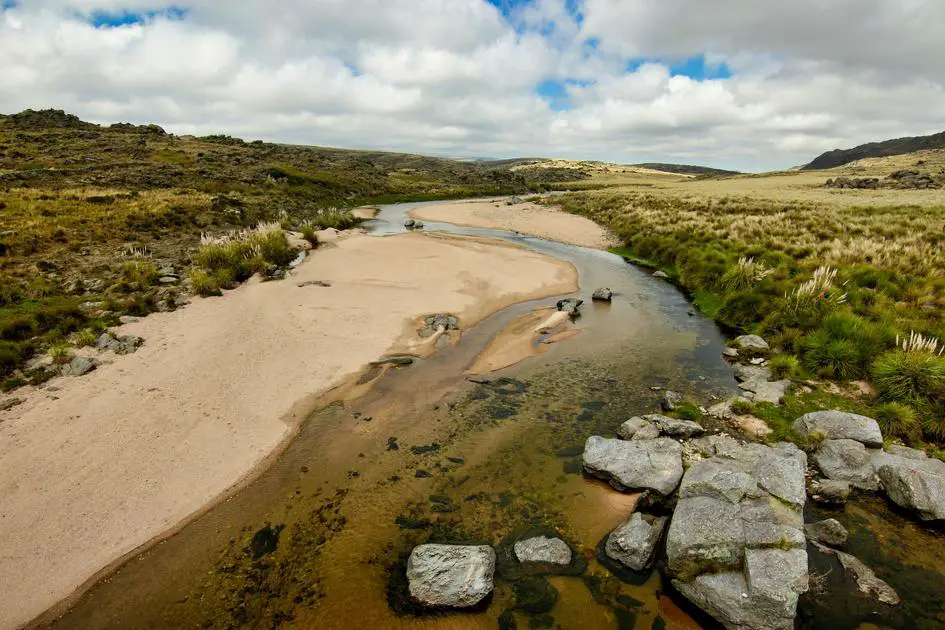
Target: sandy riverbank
102,464
527,218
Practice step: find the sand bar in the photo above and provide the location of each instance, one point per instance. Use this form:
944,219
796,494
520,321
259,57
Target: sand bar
103,464
527,218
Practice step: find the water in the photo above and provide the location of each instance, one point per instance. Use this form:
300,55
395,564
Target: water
320,539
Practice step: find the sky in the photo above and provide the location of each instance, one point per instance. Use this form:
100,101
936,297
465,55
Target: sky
746,84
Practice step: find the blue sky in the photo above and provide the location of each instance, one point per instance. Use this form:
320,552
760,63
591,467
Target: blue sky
738,84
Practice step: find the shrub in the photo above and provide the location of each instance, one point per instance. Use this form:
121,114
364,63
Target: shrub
745,274
84,338
837,358
898,420
910,376
204,284
60,353
17,328
139,274
309,234
785,366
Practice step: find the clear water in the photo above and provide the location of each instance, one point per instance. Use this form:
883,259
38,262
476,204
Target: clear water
319,540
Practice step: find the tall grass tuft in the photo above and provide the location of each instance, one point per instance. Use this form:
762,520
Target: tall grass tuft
816,295
745,274
910,376
222,261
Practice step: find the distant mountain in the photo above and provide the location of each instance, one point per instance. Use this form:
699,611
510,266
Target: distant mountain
685,169
899,146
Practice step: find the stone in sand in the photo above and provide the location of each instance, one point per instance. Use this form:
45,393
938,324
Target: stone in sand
840,425
543,550
634,541
636,465
454,576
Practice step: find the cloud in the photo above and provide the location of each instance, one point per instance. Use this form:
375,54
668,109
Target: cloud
750,84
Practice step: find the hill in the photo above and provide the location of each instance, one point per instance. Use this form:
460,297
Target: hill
685,169
898,146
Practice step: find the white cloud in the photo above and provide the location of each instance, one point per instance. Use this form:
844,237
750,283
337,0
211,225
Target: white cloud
458,77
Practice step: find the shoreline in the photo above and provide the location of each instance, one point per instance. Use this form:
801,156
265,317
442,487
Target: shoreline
525,218
479,285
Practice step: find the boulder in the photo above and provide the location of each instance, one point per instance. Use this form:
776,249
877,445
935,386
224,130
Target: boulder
905,452
770,392
675,427
570,306
670,400
660,275
829,491
603,295
750,373
847,460
630,428
79,366
649,432
723,410
829,532
454,576
735,544
634,541
635,465
418,225
915,484
840,425
543,551
752,343
409,223
730,353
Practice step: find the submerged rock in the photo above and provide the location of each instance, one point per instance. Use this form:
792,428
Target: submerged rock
831,491
454,576
634,541
603,295
840,425
829,532
409,223
543,550
635,465
866,581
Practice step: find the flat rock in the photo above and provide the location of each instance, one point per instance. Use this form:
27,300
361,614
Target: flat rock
770,391
847,460
454,576
543,550
749,373
915,484
705,533
840,425
866,581
905,452
634,541
649,432
828,532
635,465
726,597
752,342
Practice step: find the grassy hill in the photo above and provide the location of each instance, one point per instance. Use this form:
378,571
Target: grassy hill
92,217
897,146
686,169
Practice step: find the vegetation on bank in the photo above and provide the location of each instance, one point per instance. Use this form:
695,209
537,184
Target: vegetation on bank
841,292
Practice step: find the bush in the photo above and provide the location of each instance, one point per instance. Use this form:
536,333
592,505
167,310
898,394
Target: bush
836,358
309,234
226,262
785,366
139,274
898,420
60,353
204,284
910,377
84,338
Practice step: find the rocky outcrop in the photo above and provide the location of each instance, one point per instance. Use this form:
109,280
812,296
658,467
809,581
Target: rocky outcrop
840,425
635,465
634,542
914,483
454,576
543,551
735,544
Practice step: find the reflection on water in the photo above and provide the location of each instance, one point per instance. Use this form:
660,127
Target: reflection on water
319,540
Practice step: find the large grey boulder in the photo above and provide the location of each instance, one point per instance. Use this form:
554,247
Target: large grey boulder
649,432
752,342
634,541
847,460
635,465
602,295
840,425
916,484
735,544
454,576
543,550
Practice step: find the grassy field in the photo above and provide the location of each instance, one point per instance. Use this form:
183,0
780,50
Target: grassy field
98,222
837,280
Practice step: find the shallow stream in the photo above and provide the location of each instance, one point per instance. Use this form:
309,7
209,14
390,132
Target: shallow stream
320,539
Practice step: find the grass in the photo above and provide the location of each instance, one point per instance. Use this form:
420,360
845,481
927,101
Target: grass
829,278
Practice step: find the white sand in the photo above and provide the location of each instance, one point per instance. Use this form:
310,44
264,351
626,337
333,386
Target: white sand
112,460
527,218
